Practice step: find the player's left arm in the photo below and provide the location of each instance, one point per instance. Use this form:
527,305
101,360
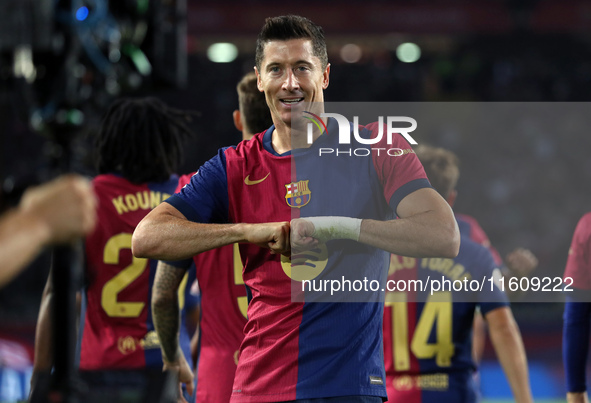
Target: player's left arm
166,317
426,227
507,342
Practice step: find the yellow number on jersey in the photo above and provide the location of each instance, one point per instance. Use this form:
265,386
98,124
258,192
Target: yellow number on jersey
242,301
123,279
437,311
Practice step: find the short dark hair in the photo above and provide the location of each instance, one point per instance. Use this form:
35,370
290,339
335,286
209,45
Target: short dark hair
287,27
441,166
253,106
141,139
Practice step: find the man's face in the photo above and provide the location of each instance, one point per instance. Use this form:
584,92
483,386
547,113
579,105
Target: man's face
291,75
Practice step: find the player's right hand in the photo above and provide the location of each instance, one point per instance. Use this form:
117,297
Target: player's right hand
274,236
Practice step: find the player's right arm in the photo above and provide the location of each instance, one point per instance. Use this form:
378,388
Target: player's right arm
166,234
506,339
195,220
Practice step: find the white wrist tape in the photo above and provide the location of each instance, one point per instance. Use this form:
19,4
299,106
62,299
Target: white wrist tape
327,228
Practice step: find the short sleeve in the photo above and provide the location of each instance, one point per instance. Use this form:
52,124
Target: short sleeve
204,198
398,168
491,296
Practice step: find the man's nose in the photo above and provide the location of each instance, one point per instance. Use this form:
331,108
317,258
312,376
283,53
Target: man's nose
291,81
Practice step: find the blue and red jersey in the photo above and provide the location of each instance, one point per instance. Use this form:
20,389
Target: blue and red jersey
428,332
297,350
577,309
469,227
117,331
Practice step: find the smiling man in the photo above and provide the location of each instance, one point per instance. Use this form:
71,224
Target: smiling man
295,349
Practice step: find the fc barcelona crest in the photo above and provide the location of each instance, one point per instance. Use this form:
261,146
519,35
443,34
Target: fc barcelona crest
298,194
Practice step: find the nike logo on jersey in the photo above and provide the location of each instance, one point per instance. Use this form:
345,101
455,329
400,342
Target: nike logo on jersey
254,182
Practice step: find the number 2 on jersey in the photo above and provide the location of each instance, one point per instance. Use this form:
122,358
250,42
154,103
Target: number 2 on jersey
123,279
437,311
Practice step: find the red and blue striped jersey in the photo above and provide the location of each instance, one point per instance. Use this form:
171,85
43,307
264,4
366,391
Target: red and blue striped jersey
117,331
295,348
428,325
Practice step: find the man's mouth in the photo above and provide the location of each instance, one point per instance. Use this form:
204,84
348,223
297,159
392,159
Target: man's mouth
291,101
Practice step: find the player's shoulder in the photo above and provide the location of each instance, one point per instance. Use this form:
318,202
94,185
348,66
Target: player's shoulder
112,184
252,149
585,221
472,251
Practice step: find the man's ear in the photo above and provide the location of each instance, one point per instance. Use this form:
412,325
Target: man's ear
259,83
326,77
237,120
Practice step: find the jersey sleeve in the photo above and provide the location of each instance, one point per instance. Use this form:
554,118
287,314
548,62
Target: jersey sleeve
205,198
578,264
398,168
491,296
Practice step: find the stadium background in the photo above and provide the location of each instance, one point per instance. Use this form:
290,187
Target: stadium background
524,192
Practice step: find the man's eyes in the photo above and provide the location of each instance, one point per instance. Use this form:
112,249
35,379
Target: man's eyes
299,69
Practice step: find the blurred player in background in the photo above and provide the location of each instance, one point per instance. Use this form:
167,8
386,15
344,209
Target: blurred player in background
57,212
138,146
427,342
219,274
577,312
520,262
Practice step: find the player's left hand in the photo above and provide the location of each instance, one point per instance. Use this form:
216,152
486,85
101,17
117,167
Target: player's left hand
301,235
185,376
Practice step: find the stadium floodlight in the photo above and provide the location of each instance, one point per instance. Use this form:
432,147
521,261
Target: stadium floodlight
408,52
222,52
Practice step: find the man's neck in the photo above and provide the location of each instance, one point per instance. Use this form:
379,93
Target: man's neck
281,140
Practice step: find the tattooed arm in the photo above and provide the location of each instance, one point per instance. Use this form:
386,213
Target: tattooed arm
166,316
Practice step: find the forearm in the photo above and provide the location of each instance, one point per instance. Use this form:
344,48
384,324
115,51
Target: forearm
427,234
22,237
167,236
166,316
165,309
506,339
